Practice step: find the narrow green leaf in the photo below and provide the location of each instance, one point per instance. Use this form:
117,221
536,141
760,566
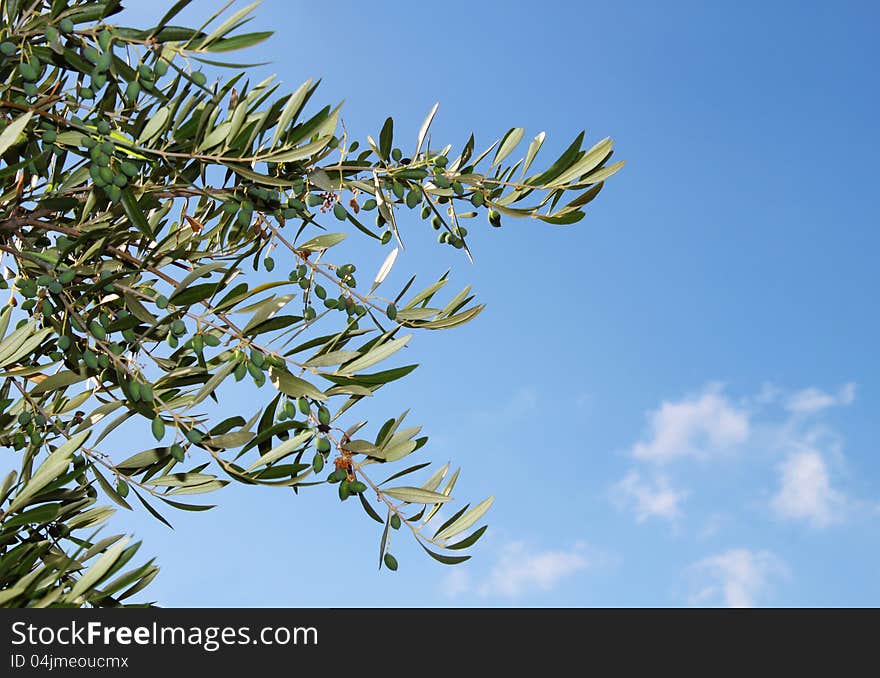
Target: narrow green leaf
292,109
454,320
286,448
423,131
386,139
135,213
215,381
294,387
97,571
411,469
385,269
332,358
562,219
322,242
370,511
589,161
446,560
242,41
376,355
469,540
532,151
155,125
602,173
52,467
301,152
416,495
12,131
466,520
508,143
383,542
195,274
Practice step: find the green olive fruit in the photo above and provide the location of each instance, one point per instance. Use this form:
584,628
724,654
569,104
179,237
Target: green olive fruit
28,72
132,90
177,452
318,463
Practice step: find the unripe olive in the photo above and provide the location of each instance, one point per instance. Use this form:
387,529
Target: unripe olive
324,415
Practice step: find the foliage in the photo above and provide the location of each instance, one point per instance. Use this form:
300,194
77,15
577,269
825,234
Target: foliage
135,195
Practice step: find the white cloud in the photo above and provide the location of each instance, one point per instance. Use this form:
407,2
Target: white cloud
657,500
518,571
763,429
693,427
805,491
735,578
812,400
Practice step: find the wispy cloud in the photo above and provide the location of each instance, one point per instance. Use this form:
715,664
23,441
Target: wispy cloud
520,570
805,491
781,431
696,426
649,499
735,578
811,400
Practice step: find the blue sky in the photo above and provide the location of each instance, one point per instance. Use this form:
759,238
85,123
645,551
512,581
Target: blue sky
674,400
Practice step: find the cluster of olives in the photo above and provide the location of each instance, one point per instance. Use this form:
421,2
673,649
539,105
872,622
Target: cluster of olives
288,412
257,364
241,208
33,427
109,172
40,291
42,294
347,304
346,486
